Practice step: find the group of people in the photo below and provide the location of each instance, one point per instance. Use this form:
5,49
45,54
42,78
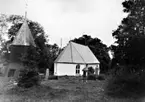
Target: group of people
86,70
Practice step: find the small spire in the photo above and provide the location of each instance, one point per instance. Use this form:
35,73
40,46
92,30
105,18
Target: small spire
25,15
61,43
26,6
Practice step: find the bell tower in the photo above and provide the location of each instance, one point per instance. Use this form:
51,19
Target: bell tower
22,41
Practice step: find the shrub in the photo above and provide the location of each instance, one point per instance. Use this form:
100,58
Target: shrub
101,77
91,70
28,79
29,75
126,84
91,77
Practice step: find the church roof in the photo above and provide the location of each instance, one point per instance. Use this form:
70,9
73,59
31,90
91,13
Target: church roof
24,36
77,53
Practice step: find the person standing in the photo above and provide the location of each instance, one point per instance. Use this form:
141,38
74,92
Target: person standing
85,73
97,69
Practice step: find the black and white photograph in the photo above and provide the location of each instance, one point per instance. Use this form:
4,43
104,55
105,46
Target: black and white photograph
72,50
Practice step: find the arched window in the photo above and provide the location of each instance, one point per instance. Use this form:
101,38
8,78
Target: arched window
77,69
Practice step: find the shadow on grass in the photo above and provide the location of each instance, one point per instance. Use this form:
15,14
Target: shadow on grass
124,87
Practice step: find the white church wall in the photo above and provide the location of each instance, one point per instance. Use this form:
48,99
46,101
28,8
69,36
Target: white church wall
61,69
65,69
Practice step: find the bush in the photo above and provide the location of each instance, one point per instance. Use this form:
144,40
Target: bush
125,84
91,77
101,77
91,70
28,79
29,75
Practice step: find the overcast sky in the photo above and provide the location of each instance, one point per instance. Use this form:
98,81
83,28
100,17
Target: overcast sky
68,19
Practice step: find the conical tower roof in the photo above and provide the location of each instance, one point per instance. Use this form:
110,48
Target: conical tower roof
24,36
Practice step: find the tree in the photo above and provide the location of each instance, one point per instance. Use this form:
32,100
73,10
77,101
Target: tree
53,52
29,75
130,35
38,34
36,30
99,49
31,59
48,52
3,34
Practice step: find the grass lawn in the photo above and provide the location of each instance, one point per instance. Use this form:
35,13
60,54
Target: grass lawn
62,90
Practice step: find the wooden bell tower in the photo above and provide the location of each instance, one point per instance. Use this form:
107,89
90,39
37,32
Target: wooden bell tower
19,46
22,41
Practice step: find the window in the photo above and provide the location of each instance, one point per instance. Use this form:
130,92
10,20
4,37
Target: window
77,69
11,72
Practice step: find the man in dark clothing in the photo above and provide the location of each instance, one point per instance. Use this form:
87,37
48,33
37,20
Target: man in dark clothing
85,72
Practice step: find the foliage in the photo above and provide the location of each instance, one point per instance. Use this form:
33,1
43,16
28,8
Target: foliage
29,75
99,49
91,70
53,51
48,52
35,28
130,35
32,60
91,77
101,77
3,24
38,34
3,27
28,79
124,84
